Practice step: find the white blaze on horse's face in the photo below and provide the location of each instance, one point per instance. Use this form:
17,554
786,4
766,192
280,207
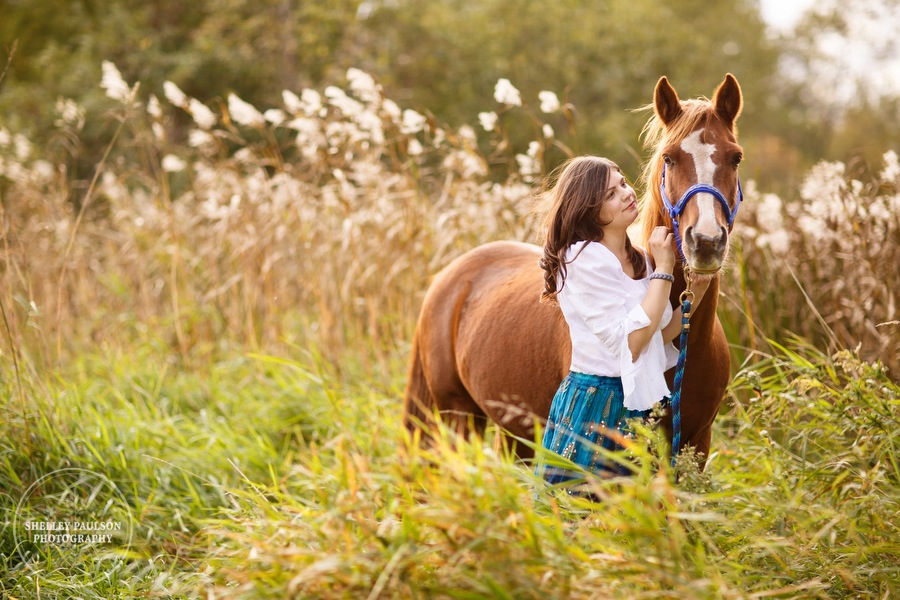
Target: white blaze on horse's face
704,219
705,170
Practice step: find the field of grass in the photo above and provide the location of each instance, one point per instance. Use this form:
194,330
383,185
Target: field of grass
267,477
203,351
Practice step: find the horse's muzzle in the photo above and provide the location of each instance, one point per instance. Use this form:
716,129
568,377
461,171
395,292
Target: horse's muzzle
705,254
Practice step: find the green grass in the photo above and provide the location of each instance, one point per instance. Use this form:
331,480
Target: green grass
270,477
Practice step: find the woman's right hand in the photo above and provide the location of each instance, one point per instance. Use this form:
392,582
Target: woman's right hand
662,248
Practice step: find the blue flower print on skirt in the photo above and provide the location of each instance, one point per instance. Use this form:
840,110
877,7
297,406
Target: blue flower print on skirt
583,407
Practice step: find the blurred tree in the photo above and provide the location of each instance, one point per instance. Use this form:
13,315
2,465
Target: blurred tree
865,132
258,48
841,81
607,54
208,47
443,56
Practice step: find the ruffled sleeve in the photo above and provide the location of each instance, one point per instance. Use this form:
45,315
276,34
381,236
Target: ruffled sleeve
597,293
669,350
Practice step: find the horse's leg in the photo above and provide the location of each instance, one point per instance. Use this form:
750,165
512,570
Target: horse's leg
434,384
418,401
705,382
700,441
450,400
458,411
509,443
697,419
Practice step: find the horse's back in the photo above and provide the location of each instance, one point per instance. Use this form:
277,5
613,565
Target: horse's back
487,339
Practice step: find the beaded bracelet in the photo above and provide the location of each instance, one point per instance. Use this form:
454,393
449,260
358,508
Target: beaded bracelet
666,276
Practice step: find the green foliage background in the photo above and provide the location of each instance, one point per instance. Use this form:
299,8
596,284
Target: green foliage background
443,56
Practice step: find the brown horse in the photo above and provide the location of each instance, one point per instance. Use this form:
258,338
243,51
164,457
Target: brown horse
486,348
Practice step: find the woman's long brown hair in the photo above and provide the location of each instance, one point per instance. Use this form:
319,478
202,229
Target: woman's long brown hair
574,216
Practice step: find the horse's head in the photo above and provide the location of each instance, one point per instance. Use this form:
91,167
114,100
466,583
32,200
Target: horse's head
692,179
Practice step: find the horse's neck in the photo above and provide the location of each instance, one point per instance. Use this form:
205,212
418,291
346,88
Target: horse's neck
704,315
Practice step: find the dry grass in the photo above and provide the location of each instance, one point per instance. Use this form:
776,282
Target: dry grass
325,227
823,266
260,477
322,222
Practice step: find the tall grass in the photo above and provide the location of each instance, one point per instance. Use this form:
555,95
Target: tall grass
324,218
823,266
796,503
261,477
215,325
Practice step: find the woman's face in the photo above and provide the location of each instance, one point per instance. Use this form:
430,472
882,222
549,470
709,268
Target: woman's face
619,208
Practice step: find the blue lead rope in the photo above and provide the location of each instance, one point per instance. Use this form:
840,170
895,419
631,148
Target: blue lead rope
686,298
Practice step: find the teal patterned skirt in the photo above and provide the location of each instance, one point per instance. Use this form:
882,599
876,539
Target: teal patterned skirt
583,408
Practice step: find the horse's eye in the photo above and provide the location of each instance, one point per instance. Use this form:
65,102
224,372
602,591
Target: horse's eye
737,158
668,160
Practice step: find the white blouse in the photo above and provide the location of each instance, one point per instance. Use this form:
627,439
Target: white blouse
602,305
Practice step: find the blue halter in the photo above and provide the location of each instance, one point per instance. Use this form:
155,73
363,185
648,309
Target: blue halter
700,188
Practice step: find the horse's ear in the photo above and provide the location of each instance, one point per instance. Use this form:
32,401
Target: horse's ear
665,101
728,100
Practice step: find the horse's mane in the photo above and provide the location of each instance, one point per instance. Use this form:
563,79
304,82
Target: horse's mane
656,135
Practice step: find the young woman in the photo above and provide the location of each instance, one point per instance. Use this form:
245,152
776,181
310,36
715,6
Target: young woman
617,308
